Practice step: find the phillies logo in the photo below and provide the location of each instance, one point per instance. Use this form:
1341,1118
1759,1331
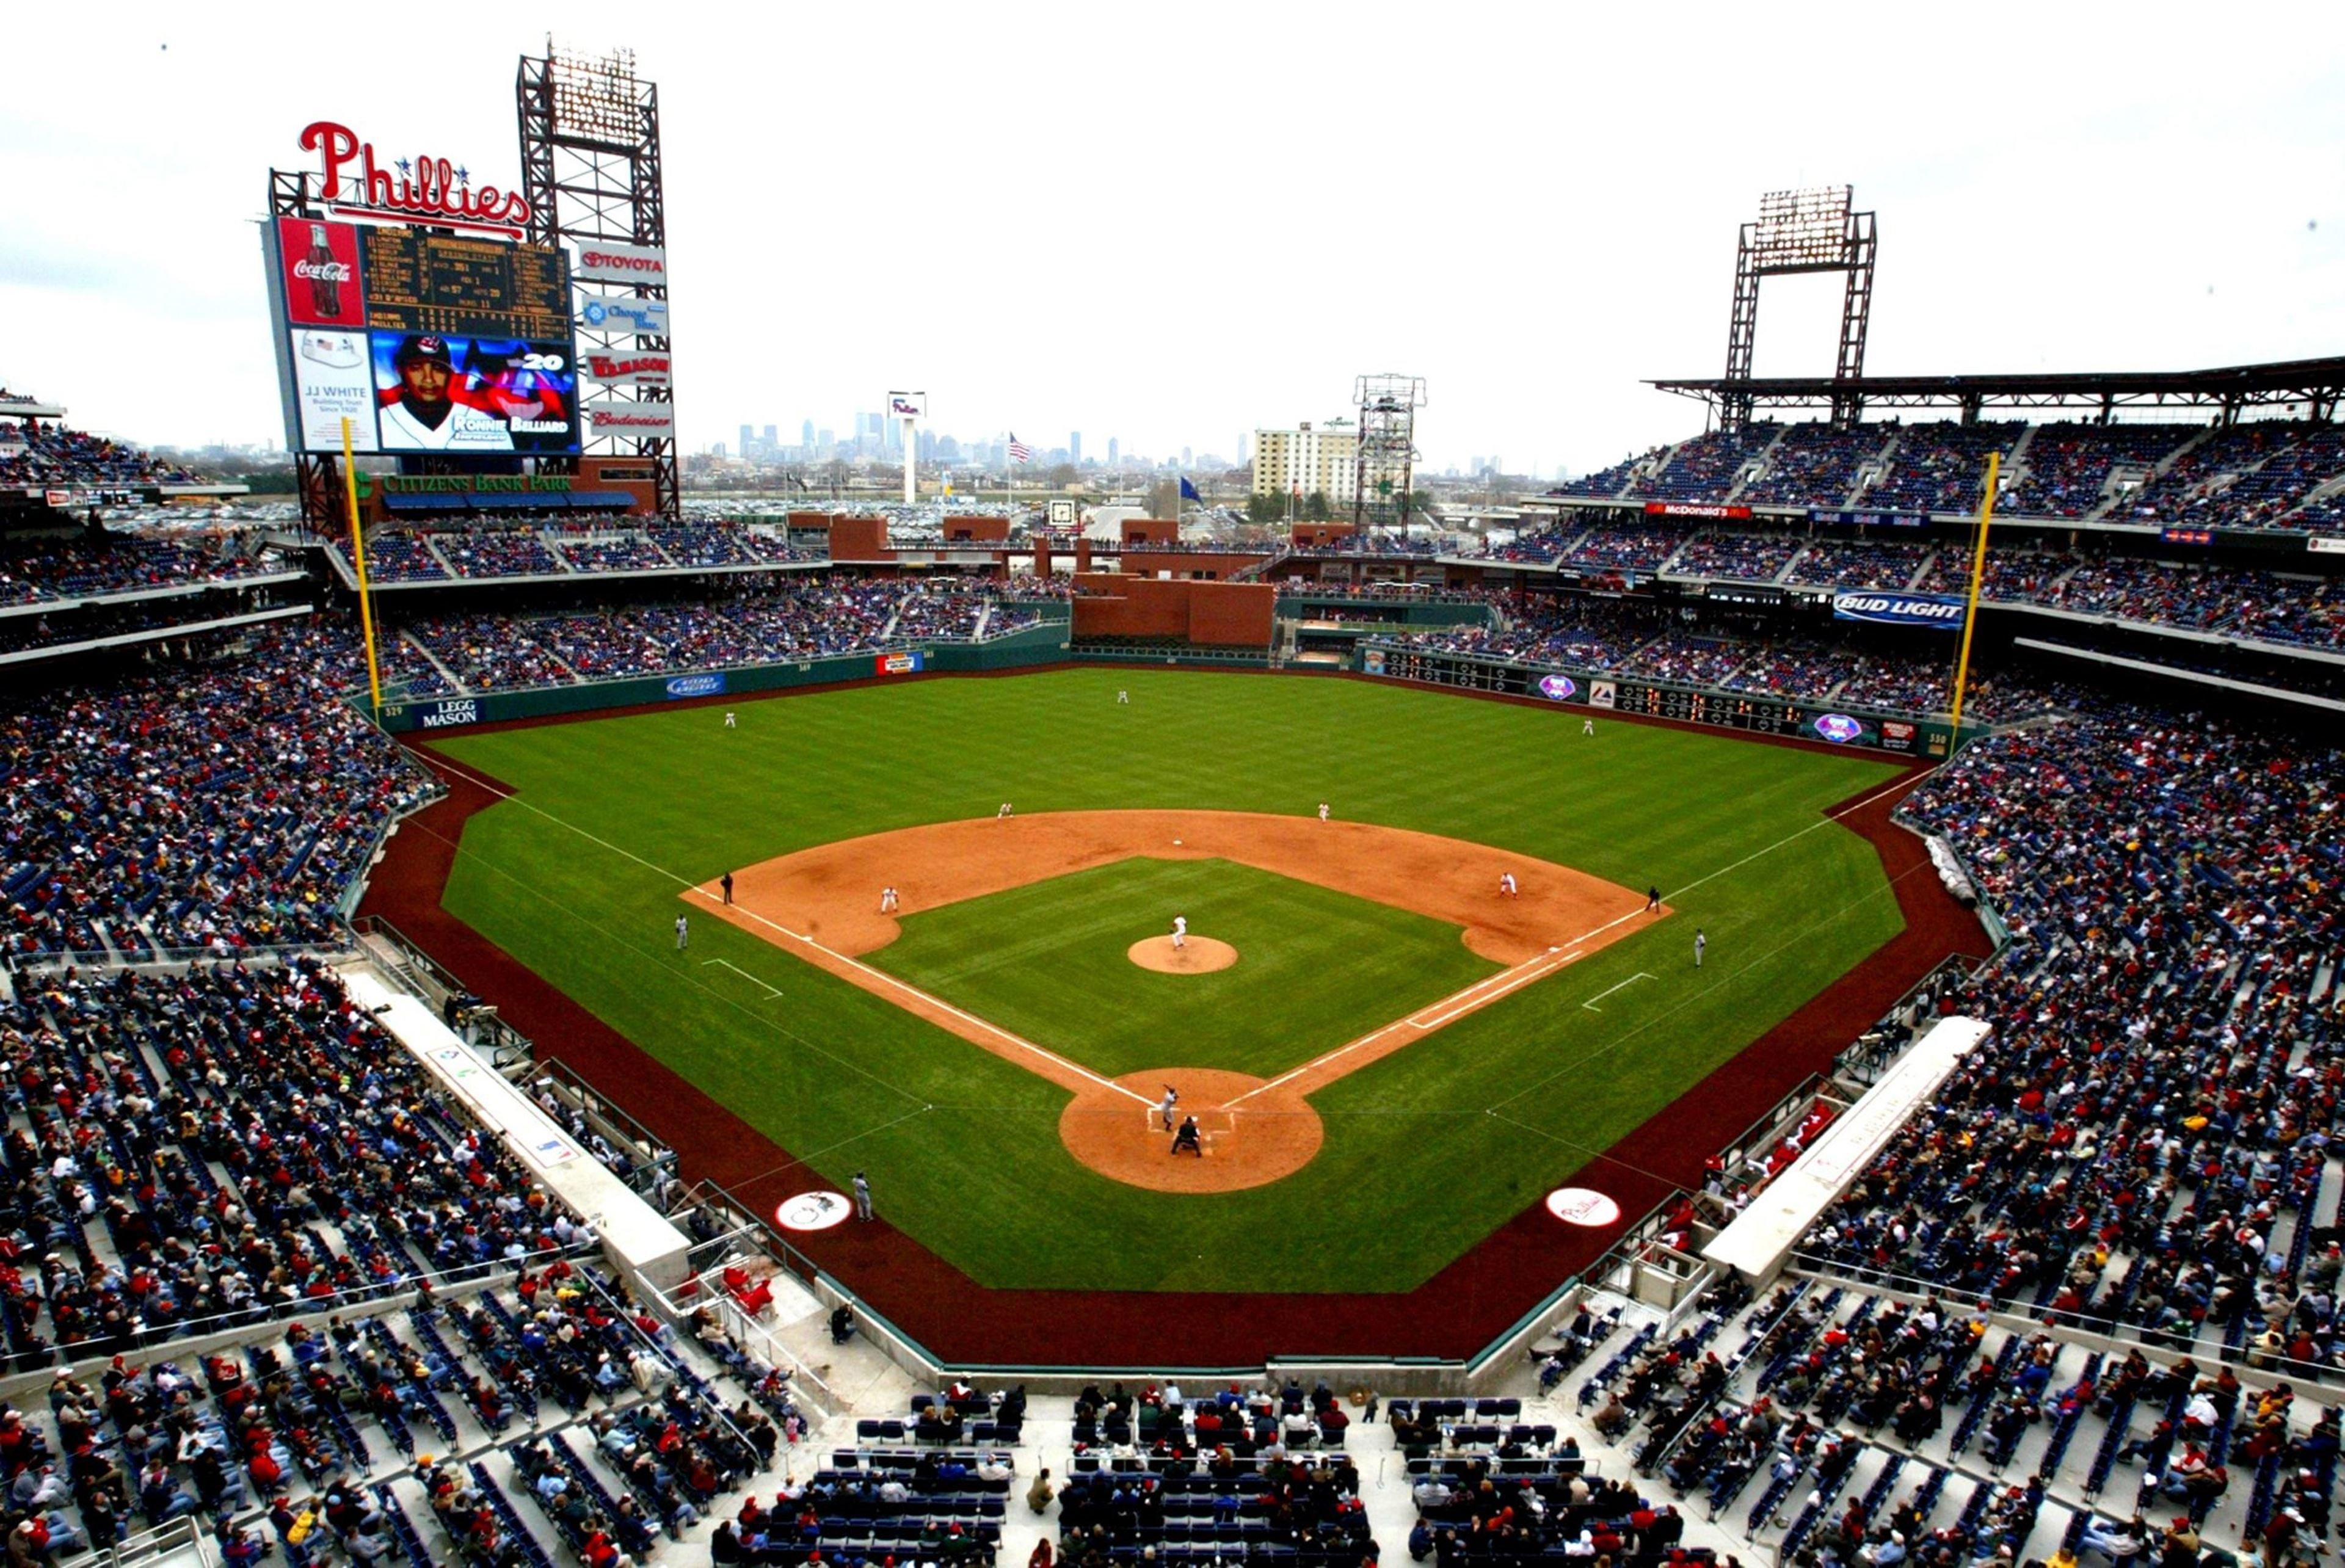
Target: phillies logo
430,188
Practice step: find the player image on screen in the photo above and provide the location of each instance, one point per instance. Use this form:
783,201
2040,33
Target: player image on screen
428,404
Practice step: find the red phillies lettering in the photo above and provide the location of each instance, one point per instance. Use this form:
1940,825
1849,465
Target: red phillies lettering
425,187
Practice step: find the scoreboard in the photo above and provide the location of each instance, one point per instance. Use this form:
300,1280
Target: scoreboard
421,342
415,282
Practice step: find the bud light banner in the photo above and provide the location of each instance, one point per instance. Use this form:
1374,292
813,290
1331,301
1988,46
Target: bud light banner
321,273
708,685
1557,688
1937,611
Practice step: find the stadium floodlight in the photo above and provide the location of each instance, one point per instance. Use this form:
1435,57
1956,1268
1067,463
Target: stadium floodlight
1812,230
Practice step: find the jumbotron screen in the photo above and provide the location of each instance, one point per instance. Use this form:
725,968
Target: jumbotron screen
425,342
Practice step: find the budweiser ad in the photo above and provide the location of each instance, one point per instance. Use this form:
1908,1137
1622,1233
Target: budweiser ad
321,273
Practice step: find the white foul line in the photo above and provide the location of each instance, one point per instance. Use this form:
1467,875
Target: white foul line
881,976
1590,1003
771,991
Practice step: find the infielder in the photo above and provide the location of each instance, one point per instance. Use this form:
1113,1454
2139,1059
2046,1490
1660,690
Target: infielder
1506,886
1171,1101
1002,812
1322,810
887,901
1179,931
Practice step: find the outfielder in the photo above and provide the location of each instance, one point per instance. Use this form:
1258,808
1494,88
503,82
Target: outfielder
1588,726
1700,945
683,933
1122,698
728,721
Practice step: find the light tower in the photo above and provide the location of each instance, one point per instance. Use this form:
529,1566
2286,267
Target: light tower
590,161
1388,449
1801,231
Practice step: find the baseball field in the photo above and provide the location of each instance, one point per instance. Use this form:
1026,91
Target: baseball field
1386,1056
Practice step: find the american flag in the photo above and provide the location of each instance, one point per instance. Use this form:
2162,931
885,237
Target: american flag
1019,452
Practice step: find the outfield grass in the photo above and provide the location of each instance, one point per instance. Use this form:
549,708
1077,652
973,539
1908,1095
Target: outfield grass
1315,968
1426,1151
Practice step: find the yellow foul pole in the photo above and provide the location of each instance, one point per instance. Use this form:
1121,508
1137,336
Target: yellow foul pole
1978,572
358,559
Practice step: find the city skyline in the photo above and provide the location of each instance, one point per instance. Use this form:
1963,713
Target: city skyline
2187,180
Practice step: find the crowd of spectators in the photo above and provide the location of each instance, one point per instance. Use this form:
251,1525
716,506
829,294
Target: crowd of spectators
87,566
523,547
1751,557
1858,563
1939,467
2139,1143
625,550
1705,467
1815,465
496,553
190,807
35,453
248,1143
2068,467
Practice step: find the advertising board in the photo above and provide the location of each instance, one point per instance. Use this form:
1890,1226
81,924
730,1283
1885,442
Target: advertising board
608,261
623,315
1933,611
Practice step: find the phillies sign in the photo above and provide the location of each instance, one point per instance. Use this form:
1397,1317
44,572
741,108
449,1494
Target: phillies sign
423,189
628,369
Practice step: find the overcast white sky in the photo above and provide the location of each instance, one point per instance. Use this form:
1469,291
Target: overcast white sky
1173,224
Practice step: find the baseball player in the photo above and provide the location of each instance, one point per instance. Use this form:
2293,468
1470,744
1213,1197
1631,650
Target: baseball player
1179,931
728,720
1003,813
1700,945
1171,1101
725,882
862,1197
887,901
1652,901
1122,698
1588,726
423,416
1507,888
683,933
1322,810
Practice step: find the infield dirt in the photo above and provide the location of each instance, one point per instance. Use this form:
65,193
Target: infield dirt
822,905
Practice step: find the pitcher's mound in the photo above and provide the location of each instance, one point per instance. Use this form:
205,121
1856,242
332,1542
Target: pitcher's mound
1201,956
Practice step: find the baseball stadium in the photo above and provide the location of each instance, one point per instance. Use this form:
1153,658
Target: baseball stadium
1777,1002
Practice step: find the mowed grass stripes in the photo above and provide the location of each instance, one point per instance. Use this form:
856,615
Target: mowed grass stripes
1426,1151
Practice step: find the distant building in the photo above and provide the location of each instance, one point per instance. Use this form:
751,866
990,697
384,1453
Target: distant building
748,439
1303,459
805,434
1075,447
1114,451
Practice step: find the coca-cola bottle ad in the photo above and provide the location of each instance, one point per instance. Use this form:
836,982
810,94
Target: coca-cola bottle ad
321,272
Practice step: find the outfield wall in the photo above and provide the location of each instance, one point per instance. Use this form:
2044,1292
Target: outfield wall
1755,712
1043,645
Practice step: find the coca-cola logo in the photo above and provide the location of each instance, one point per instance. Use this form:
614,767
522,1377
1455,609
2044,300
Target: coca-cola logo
322,271
426,187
